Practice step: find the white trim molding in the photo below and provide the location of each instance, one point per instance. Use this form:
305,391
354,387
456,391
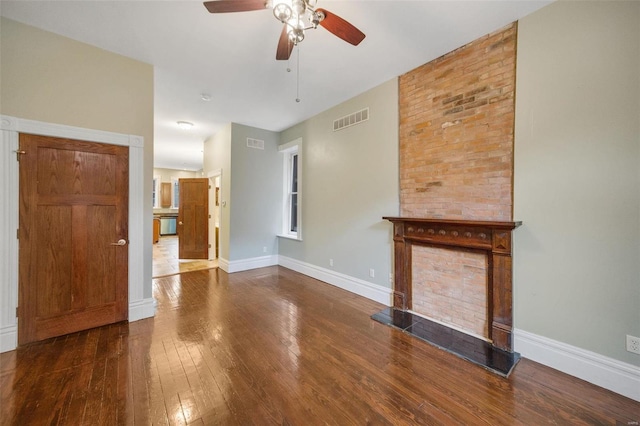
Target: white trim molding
354,285
10,127
8,233
141,309
231,266
8,338
611,374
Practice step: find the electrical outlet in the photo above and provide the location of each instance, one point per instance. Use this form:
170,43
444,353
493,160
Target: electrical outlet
633,344
372,273
330,262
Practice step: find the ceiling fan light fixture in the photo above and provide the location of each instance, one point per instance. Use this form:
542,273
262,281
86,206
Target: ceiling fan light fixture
282,12
299,7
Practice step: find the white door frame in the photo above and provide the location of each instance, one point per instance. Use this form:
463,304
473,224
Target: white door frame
10,127
212,175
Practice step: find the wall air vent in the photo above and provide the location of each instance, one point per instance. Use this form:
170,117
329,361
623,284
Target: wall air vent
255,143
351,119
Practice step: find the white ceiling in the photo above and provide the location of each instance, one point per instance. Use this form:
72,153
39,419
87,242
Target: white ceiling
231,56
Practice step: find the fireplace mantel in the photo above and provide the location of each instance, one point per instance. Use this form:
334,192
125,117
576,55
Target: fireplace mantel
491,237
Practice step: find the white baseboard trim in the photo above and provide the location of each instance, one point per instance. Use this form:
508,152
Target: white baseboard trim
141,309
354,285
231,266
611,374
223,264
8,338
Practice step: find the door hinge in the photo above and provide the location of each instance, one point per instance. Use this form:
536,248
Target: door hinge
209,245
17,311
18,234
209,186
19,153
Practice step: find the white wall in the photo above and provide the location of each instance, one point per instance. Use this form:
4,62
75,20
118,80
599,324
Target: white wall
349,181
167,174
577,176
217,157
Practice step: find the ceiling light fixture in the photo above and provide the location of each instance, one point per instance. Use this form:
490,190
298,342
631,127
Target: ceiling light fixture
185,125
298,16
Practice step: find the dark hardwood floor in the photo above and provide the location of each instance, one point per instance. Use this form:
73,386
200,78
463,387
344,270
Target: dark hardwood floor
271,346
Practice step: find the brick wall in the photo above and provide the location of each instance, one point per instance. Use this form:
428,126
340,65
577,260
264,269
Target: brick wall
451,286
456,158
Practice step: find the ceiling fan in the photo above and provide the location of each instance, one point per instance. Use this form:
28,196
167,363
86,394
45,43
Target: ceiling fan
297,17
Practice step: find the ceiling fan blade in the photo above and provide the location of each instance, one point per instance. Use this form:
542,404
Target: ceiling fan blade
341,28
285,46
225,6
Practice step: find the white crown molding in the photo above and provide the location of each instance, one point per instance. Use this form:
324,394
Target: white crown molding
611,374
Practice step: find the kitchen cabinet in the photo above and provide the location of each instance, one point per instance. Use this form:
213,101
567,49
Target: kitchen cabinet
165,194
156,230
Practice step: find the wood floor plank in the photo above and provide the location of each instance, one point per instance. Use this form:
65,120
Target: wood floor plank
271,346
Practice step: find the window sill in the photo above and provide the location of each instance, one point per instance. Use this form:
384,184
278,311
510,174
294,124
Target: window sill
289,237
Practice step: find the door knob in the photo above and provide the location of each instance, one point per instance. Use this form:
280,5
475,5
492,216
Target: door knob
180,223
121,242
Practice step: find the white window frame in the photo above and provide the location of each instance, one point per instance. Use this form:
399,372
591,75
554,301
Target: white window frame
289,150
156,191
175,182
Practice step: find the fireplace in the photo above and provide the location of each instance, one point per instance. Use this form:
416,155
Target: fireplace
490,237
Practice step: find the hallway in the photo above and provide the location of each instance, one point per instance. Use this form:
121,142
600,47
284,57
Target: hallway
166,262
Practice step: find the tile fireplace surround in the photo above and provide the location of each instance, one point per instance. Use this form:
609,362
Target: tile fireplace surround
491,237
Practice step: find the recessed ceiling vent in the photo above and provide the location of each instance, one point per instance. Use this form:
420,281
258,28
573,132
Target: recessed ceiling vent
255,143
351,119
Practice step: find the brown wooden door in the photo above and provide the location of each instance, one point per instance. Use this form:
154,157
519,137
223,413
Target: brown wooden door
73,209
193,219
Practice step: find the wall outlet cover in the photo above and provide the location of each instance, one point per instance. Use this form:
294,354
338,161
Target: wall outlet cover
633,344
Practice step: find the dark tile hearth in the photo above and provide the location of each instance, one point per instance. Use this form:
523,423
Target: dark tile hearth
463,345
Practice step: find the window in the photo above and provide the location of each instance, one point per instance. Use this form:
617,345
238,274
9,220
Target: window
293,194
292,197
156,192
175,193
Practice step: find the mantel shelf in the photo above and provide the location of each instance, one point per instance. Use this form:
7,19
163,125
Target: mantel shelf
460,222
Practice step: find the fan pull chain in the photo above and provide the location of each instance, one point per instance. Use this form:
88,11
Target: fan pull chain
298,78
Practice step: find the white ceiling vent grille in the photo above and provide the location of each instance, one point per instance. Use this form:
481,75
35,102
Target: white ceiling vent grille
351,119
255,143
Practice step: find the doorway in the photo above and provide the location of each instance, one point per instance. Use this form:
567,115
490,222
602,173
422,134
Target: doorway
215,203
141,303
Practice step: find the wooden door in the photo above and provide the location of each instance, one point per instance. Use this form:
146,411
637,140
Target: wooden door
193,219
73,272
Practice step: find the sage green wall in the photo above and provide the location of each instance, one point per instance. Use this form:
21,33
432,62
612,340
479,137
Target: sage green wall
256,185
577,175
54,79
217,156
349,181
